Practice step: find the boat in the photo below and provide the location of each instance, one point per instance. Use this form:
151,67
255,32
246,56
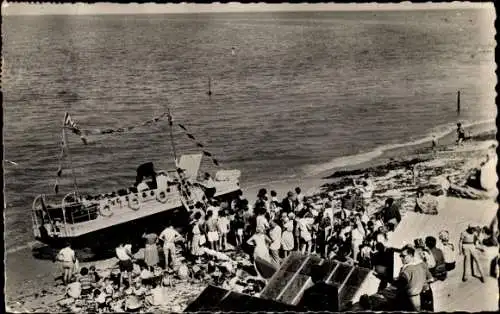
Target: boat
157,196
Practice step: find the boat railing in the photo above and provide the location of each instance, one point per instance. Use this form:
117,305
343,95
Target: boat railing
76,210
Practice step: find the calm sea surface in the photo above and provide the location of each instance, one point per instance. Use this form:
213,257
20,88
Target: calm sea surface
301,89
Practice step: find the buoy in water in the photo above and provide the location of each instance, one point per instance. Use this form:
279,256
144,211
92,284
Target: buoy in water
209,93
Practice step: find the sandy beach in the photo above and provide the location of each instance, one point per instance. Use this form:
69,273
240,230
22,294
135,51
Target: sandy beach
31,286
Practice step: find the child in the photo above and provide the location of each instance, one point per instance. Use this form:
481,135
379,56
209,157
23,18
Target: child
99,299
223,228
108,287
364,256
287,240
139,289
86,281
212,233
238,227
93,274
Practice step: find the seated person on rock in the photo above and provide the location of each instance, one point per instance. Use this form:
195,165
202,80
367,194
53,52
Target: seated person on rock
390,213
426,204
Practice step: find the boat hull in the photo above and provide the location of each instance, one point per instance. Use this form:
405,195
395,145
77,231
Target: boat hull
102,240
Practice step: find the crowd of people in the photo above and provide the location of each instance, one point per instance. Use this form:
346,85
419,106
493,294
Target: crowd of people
269,230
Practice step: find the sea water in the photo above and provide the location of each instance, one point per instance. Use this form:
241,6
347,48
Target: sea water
302,92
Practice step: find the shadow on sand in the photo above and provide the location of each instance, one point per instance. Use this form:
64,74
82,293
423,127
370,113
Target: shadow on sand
46,252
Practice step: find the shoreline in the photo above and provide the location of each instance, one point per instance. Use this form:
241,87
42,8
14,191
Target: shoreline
482,131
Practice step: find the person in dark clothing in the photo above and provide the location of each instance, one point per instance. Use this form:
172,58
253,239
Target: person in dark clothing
390,213
439,270
460,133
289,203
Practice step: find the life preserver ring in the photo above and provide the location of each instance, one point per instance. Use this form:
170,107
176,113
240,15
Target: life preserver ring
133,202
161,197
105,211
190,197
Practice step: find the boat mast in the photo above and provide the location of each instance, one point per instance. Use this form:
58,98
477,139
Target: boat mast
65,139
172,136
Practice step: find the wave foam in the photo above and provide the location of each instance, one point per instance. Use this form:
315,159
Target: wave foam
438,132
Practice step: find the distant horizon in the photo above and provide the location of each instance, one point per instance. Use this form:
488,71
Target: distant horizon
23,9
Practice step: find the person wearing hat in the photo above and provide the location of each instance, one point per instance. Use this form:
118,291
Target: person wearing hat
468,248
289,204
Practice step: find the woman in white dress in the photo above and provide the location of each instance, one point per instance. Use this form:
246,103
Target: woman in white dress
261,242
196,241
287,240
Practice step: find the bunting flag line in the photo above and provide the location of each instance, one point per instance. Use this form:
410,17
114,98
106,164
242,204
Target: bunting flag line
68,121
198,144
72,125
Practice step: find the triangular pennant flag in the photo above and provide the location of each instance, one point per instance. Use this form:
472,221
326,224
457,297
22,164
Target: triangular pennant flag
199,145
207,153
59,171
68,121
182,127
190,136
215,162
